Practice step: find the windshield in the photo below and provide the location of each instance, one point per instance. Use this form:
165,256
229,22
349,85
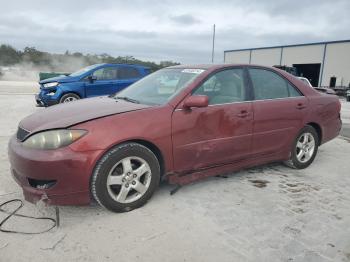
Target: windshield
84,70
159,87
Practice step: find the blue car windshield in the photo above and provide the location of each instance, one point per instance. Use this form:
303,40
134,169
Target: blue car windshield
161,86
84,70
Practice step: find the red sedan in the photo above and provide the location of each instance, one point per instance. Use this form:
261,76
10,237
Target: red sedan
180,123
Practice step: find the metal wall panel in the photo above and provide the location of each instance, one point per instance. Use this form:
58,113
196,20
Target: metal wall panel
238,57
337,63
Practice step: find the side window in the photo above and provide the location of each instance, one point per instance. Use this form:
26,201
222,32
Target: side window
293,92
98,74
269,85
224,87
107,73
127,73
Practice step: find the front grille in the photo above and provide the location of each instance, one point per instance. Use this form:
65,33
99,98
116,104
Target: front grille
22,133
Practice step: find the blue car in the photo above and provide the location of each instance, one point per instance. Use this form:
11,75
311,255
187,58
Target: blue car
94,80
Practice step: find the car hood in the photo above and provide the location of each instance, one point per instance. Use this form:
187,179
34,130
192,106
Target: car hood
69,114
60,79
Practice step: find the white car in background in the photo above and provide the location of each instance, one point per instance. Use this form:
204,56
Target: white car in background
320,89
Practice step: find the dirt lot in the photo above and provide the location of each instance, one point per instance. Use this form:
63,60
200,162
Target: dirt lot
269,213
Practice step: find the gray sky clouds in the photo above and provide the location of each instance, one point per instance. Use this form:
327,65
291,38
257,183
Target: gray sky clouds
169,30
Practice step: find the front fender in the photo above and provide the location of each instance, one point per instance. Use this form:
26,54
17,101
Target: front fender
152,125
76,88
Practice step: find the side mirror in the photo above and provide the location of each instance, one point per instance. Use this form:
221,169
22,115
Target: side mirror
196,101
92,78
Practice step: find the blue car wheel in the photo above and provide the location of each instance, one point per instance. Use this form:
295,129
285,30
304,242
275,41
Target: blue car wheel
70,97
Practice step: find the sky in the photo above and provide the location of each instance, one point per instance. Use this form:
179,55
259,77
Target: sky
162,30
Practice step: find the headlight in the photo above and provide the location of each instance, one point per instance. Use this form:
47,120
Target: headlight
53,84
53,139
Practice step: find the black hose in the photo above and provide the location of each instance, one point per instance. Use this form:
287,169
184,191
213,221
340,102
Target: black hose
14,213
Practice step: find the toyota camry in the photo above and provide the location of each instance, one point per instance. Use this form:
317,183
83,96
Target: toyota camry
178,124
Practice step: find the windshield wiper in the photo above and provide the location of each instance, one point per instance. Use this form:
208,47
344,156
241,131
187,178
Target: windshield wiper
128,99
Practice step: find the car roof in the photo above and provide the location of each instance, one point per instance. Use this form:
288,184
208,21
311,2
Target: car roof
118,64
214,66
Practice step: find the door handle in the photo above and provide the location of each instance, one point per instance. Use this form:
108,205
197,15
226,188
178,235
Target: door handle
300,106
243,113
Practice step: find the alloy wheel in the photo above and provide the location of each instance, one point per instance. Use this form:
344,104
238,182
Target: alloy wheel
305,147
129,179
69,99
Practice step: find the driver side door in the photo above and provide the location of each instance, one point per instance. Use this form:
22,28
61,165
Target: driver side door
218,134
105,83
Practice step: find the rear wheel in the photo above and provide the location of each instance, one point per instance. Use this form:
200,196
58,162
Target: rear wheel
70,97
304,148
125,178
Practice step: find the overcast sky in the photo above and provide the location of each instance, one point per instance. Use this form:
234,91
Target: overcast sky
169,30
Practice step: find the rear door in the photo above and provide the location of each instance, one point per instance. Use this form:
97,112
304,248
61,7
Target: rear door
218,134
106,82
279,109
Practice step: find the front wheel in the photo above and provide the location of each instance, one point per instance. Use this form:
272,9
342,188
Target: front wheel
125,178
304,148
70,97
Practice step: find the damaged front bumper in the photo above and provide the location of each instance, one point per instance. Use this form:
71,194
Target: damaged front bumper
58,177
40,102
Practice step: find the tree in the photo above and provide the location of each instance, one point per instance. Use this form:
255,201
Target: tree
31,54
9,55
167,63
68,61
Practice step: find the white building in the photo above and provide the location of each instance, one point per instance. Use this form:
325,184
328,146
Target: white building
316,61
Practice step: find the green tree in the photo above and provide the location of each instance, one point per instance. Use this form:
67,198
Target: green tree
60,62
9,55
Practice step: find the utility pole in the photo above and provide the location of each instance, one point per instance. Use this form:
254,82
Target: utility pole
212,51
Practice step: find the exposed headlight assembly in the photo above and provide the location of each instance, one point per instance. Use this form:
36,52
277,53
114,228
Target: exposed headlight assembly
52,84
54,139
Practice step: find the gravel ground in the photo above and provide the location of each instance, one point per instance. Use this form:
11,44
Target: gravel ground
18,87
268,213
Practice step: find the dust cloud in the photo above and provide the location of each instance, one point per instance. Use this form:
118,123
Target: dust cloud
28,71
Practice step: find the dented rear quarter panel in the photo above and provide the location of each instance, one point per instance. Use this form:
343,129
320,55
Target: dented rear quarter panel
324,110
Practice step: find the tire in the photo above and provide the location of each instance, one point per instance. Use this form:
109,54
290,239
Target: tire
125,178
348,98
70,97
304,153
